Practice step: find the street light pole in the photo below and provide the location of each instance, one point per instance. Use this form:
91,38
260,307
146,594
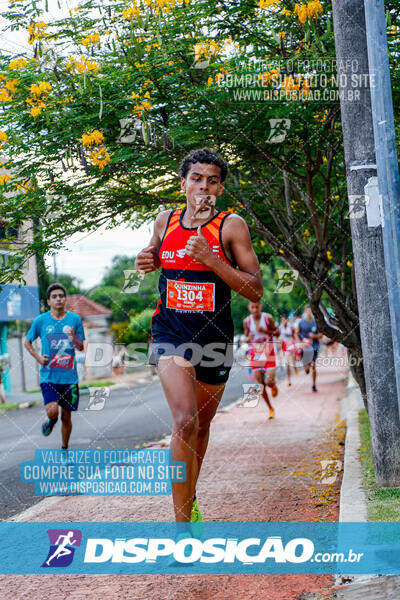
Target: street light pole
386,160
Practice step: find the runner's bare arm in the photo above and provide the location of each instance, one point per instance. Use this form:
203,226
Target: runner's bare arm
246,280
246,330
272,328
42,360
147,260
78,344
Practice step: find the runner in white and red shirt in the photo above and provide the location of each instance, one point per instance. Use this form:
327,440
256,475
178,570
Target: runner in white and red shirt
287,332
260,329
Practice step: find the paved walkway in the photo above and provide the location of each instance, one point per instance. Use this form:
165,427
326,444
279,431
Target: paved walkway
256,469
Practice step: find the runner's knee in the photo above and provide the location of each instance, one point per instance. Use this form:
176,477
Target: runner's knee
52,410
270,381
186,424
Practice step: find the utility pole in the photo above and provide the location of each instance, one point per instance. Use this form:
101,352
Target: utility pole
388,184
366,232
55,274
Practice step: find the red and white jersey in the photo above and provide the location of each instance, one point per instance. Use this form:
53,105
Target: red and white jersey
266,321
287,332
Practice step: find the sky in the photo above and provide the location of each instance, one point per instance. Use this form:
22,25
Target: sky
86,256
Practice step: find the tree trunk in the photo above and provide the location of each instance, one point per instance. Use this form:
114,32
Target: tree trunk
357,370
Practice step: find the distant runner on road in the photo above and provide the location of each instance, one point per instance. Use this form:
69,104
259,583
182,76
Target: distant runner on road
309,335
260,329
204,253
287,336
61,333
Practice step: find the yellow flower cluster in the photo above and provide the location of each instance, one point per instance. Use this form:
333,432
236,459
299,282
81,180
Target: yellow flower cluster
129,13
82,65
99,155
205,50
38,89
267,3
296,87
7,88
94,138
24,187
286,12
268,76
37,31
159,6
4,179
309,10
91,40
3,138
17,63
163,5
140,107
11,85
4,95
36,102
219,76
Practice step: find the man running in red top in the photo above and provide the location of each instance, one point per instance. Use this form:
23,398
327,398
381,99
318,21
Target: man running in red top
260,329
204,253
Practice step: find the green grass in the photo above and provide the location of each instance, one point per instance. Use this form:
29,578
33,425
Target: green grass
83,386
8,406
383,503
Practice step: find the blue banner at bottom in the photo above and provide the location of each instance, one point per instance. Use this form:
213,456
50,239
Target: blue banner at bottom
211,548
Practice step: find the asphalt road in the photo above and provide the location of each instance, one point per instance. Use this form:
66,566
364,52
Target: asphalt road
130,418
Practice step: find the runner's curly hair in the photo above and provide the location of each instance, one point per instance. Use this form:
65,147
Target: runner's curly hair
207,156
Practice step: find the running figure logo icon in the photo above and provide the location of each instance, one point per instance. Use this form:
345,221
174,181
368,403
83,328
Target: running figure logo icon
97,398
251,394
62,547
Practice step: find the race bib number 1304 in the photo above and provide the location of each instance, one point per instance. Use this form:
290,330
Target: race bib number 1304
196,296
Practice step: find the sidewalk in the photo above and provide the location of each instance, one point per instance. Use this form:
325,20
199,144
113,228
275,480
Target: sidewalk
255,470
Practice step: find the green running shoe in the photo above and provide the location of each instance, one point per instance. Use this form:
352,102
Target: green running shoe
171,559
196,520
47,426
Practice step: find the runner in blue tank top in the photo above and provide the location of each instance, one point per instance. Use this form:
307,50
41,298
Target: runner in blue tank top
204,254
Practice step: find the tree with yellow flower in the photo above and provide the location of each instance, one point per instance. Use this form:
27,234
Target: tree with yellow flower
102,109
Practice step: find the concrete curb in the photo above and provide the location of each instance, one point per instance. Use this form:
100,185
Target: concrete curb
353,501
